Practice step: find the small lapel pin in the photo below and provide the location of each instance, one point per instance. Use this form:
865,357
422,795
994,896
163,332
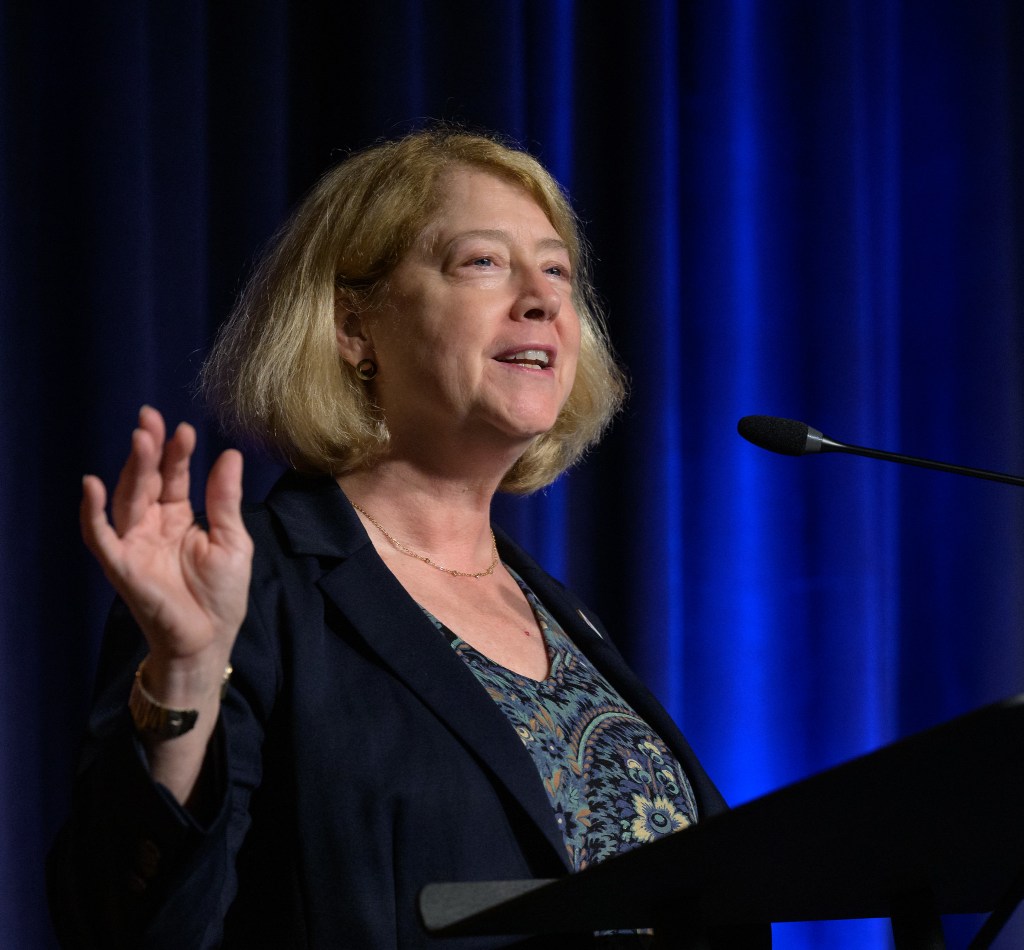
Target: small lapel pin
586,620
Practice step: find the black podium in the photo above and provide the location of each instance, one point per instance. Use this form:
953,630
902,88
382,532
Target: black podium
930,825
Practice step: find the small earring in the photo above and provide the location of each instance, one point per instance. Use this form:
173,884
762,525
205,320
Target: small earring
366,369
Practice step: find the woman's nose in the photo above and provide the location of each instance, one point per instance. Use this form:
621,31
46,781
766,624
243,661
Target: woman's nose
537,299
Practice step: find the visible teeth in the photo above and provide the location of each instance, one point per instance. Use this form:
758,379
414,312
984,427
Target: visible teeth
538,357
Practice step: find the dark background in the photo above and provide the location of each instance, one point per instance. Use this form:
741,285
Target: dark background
807,209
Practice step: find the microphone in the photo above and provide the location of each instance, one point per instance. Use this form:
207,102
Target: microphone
788,437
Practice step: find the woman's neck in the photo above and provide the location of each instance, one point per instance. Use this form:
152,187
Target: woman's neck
425,510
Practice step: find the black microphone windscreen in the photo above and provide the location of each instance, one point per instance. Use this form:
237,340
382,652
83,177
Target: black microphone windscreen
785,436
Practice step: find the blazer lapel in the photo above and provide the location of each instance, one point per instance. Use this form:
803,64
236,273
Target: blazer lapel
319,520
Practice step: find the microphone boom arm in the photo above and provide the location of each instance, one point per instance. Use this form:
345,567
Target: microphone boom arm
830,445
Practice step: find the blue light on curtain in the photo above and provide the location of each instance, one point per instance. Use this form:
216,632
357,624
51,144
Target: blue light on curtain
745,696
875,156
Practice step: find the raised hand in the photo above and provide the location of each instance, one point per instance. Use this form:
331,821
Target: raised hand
186,587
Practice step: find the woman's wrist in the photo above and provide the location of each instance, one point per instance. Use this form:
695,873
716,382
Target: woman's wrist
161,719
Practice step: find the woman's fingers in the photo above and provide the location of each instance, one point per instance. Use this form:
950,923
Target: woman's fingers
174,464
152,421
186,587
224,501
139,484
157,469
224,565
97,533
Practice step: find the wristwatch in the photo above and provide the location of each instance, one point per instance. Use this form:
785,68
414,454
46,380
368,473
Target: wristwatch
163,722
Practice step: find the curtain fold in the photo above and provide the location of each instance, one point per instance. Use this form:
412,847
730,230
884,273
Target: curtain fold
800,209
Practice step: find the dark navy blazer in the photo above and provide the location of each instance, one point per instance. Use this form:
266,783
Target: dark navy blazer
356,760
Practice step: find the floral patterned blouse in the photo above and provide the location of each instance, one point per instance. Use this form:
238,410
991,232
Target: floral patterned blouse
611,781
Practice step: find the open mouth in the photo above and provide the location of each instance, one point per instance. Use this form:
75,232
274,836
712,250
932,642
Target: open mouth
538,359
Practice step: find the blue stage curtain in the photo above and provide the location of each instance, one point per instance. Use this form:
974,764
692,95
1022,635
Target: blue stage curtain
806,209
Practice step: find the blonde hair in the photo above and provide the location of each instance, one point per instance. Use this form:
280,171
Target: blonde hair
274,375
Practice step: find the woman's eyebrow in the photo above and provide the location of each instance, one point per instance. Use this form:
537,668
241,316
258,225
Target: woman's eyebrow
497,234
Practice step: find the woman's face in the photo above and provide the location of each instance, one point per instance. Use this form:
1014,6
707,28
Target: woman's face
478,338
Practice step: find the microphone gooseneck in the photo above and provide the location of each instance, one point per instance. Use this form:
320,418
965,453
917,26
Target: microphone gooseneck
789,437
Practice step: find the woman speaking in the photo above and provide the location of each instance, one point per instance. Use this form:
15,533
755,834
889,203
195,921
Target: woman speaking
310,709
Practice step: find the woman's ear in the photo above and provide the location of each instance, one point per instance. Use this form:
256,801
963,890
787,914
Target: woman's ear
353,342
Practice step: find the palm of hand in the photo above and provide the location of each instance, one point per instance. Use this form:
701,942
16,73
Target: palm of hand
183,588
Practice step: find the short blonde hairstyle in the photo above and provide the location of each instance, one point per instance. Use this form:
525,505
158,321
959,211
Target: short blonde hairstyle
274,375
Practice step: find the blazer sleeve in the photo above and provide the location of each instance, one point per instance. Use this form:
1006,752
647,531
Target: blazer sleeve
131,867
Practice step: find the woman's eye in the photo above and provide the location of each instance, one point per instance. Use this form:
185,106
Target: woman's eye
482,261
557,270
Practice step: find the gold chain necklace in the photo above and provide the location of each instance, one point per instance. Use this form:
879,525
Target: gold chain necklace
405,549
